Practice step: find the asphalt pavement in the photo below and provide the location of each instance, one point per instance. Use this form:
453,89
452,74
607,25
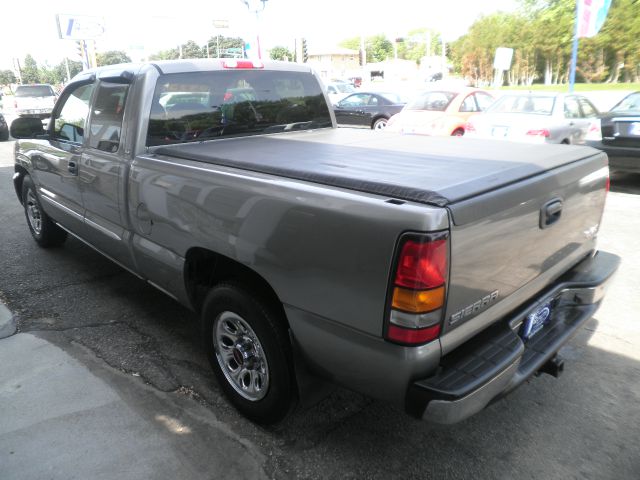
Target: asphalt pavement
105,378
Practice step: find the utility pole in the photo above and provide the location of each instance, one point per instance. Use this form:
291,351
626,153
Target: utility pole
17,68
444,57
66,64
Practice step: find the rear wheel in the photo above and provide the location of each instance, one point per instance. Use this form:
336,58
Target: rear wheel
43,230
458,132
249,350
379,124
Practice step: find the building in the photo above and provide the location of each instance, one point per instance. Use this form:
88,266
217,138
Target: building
335,62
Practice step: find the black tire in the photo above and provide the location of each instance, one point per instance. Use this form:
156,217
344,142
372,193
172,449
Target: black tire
458,132
4,136
43,230
379,123
271,353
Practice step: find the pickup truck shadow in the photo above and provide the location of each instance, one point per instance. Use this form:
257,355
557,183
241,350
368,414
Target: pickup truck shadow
582,425
572,427
625,182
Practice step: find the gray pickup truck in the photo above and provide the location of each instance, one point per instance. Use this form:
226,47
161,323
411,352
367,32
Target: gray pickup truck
437,274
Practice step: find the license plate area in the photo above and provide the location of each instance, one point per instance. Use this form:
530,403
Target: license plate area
537,319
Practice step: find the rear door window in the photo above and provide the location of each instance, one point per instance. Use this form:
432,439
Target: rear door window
469,105
484,100
34,91
106,117
588,110
571,108
189,107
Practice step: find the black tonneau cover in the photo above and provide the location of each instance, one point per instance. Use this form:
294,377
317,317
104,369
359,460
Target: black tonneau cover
430,170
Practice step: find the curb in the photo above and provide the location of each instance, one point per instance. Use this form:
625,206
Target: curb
7,322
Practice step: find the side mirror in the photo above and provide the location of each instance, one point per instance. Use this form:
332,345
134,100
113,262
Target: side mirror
27,128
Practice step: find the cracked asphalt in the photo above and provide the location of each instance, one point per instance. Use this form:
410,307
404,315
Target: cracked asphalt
146,347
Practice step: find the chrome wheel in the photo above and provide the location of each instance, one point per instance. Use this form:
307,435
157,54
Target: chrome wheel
240,356
33,213
380,124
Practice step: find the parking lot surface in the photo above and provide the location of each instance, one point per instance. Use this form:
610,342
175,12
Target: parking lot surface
81,317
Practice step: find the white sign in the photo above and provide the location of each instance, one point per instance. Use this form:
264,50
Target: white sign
502,60
80,27
221,24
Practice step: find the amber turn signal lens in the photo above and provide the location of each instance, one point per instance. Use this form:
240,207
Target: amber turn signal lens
417,301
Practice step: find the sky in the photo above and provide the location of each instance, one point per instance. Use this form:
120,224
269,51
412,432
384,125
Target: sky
143,28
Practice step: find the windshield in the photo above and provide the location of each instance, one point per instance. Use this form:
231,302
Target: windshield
531,104
434,101
191,107
630,103
34,91
344,88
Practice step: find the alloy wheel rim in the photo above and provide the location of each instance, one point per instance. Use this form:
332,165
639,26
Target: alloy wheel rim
33,213
241,356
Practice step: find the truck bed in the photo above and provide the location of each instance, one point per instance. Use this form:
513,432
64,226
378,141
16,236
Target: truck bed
423,169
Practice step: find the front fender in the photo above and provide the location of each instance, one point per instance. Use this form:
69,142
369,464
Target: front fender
22,168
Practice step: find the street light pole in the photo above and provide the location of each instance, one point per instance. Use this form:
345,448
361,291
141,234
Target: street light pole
256,6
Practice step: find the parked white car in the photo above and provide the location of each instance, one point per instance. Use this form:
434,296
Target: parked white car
537,118
339,90
35,101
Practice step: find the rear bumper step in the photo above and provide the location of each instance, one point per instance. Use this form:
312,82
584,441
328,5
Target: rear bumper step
498,360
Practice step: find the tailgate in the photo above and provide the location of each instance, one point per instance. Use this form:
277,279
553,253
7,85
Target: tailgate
533,229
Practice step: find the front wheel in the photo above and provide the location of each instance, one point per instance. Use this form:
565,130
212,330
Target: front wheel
379,124
248,347
43,230
458,132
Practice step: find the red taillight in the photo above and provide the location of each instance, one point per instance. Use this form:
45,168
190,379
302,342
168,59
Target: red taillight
417,295
413,336
233,63
422,265
541,132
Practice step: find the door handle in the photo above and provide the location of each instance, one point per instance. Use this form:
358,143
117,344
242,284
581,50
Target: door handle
550,213
72,167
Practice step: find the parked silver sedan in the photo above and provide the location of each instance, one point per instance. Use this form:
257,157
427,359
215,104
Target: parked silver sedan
537,118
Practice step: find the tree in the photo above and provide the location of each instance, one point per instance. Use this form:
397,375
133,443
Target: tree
414,45
192,50
224,43
281,53
378,47
7,77
30,72
171,54
112,57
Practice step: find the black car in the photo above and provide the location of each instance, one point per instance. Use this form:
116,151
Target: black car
4,129
620,129
368,109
